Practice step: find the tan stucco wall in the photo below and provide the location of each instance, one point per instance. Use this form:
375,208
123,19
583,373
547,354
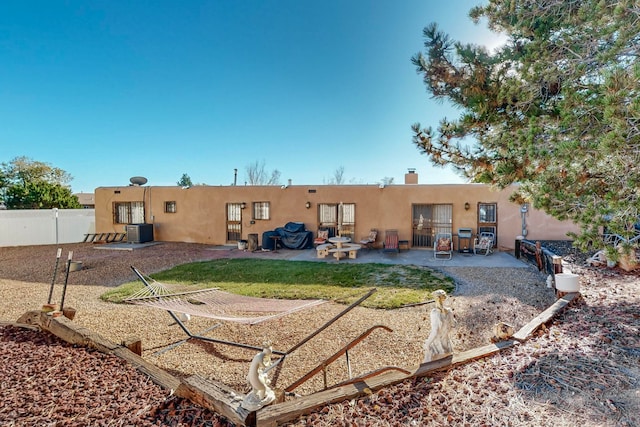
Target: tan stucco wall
201,214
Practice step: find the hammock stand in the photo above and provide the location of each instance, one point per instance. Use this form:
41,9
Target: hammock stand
201,337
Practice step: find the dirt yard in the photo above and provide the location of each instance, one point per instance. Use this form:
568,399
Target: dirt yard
582,369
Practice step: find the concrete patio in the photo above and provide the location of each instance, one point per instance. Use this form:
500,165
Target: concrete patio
423,257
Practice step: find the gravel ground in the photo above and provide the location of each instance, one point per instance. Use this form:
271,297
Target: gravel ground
457,397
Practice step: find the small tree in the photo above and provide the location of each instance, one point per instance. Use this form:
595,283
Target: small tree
387,180
257,174
338,177
185,181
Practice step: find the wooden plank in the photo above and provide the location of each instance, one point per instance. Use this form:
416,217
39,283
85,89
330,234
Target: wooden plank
288,411
291,410
544,317
216,397
74,334
31,327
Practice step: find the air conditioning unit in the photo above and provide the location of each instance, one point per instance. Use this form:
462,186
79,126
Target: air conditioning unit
139,233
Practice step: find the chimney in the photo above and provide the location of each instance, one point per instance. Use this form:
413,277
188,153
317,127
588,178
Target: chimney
411,177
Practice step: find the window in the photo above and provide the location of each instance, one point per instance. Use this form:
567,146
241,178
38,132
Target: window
488,219
128,213
261,210
487,212
170,207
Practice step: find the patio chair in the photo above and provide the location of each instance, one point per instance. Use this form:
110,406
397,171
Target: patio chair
391,241
322,237
443,246
484,242
369,241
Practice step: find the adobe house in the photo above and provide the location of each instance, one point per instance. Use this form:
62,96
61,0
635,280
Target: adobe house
219,215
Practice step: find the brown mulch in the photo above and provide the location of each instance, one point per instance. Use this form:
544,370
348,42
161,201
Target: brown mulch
57,384
582,369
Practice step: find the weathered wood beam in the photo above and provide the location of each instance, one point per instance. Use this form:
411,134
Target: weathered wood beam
288,411
217,397
544,317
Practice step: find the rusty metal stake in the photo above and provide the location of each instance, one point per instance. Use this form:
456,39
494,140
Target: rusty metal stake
330,322
55,273
334,357
66,280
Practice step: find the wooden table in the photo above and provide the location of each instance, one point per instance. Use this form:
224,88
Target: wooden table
275,239
339,250
339,241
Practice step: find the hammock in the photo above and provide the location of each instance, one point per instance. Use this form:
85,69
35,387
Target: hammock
216,304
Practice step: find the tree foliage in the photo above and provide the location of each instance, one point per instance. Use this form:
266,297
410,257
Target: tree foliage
185,181
387,180
29,184
257,174
555,110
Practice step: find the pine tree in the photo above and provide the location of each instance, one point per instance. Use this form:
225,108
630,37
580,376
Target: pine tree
555,110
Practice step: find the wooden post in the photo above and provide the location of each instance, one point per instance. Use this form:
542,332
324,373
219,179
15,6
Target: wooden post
134,344
252,242
69,312
557,264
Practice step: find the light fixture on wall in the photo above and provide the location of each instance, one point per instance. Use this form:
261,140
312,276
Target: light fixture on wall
467,206
243,205
307,205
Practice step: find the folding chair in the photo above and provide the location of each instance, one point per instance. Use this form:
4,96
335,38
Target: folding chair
391,241
484,242
443,246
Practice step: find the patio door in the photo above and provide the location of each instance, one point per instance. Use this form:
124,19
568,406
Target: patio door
338,218
234,222
429,220
488,219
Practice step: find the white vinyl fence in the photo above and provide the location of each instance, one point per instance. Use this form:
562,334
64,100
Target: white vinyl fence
45,226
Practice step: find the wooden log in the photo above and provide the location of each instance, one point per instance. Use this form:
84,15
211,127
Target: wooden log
218,398
72,333
544,317
557,264
30,318
21,325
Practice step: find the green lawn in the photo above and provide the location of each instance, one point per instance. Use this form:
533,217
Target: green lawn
396,285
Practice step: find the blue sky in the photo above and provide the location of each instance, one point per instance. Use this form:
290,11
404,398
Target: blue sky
107,90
